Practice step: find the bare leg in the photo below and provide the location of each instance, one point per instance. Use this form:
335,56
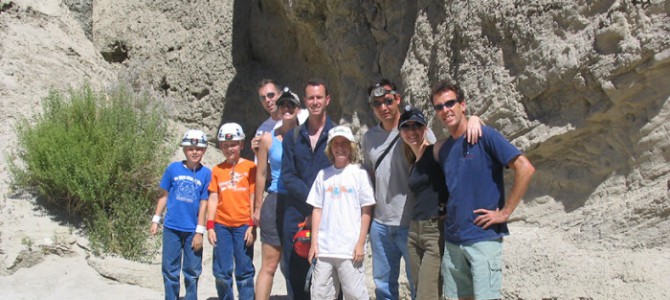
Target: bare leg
271,256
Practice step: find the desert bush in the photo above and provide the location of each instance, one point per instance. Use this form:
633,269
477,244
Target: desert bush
99,156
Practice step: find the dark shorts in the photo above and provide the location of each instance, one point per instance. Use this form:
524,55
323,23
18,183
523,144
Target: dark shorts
271,220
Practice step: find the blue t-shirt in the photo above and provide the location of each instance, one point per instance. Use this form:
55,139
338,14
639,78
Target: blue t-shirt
275,154
474,176
186,188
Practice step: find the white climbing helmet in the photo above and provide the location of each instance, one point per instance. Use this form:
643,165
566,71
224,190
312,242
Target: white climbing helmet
231,132
194,137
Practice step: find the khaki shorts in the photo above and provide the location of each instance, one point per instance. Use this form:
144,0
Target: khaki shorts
473,270
330,273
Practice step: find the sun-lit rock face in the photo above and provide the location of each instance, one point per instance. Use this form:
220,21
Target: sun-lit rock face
582,87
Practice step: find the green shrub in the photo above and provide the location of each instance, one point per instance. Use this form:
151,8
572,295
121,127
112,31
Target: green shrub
99,156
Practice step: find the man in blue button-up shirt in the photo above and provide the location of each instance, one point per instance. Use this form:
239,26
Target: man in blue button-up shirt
302,159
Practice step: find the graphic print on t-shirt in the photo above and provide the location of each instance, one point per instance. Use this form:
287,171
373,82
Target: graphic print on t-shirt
232,184
337,190
187,188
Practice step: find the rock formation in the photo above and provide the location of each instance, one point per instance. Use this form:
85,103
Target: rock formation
582,87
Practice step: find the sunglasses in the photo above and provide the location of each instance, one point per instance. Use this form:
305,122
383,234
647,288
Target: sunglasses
268,95
411,126
448,104
386,102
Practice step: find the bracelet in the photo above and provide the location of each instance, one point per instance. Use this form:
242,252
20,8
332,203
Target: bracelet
156,219
210,224
251,222
200,229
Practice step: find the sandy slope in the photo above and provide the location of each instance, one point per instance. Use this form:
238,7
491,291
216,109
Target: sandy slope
74,273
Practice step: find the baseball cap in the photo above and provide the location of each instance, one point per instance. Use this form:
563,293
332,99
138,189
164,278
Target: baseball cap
412,114
342,131
287,95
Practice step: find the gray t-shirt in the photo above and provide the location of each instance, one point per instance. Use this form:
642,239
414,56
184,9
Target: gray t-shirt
266,126
394,199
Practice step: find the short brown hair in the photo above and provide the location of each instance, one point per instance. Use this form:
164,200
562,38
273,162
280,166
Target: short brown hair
445,86
317,82
266,81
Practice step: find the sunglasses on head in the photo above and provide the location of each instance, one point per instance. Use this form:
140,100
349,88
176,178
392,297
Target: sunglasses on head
268,95
386,102
448,104
411,126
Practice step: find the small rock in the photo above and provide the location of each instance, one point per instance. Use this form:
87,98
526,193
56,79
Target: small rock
26,259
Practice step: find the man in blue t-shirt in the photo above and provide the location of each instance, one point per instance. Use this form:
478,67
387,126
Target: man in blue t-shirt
477,210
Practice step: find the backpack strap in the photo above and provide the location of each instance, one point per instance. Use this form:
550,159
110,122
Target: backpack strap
386,151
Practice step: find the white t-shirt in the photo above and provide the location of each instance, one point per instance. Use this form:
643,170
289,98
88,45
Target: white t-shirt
340,193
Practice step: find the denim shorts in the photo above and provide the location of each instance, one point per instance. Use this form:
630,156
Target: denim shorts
473,270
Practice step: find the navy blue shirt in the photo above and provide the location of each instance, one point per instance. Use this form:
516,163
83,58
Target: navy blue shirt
427,182
474,177
300,164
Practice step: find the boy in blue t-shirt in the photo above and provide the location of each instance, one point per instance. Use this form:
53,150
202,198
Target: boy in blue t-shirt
185,194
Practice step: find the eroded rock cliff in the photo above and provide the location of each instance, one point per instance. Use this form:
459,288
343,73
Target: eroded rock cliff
582,87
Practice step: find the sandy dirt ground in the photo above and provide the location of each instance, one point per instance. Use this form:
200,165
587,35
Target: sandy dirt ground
540,263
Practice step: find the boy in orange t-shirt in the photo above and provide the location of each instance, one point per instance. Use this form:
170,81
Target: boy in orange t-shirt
229,216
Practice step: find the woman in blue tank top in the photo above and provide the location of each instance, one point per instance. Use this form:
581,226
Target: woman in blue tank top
269,213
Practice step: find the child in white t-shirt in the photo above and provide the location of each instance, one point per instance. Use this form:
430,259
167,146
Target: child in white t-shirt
342,198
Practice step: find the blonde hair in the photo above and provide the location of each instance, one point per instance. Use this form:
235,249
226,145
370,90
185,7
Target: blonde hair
353,154
408,153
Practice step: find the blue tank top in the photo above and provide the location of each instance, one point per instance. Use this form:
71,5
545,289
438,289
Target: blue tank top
275,154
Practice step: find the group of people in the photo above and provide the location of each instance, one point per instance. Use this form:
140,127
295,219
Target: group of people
438,205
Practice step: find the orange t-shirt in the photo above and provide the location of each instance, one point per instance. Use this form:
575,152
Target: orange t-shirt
235,187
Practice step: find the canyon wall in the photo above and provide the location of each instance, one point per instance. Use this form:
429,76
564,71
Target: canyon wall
582,87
